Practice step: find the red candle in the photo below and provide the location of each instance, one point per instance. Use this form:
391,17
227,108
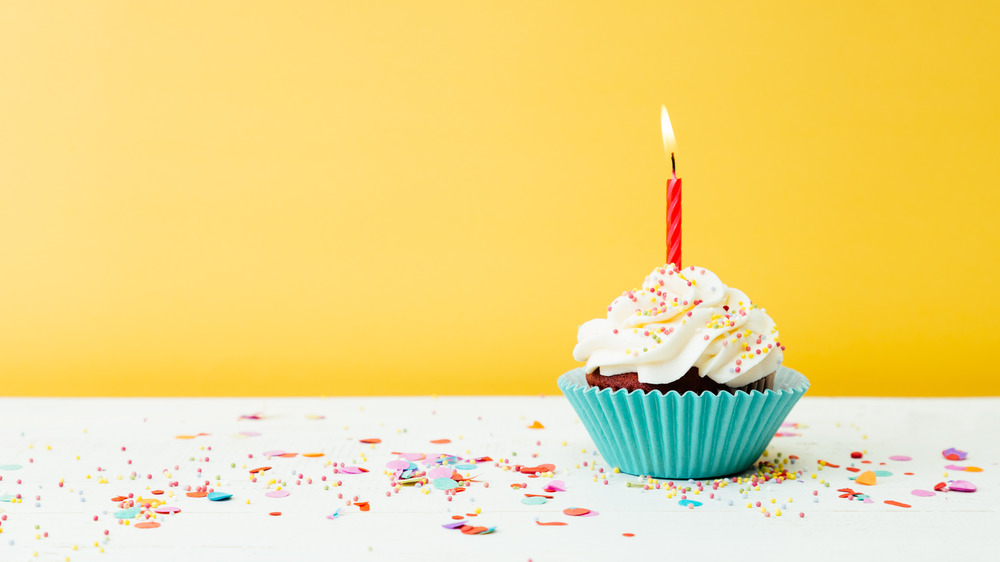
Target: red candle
673,194
674,219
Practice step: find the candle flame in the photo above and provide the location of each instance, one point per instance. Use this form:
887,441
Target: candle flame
669,144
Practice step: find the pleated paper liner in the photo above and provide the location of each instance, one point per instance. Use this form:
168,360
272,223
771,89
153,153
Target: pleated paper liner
682,436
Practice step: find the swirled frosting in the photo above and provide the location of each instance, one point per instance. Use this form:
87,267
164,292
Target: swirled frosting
681,319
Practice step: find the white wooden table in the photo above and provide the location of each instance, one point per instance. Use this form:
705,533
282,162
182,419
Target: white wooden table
64,441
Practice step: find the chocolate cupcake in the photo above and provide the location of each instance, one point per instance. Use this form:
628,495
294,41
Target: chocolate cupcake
683,379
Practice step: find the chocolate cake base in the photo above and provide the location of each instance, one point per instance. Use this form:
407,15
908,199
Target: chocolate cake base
690,381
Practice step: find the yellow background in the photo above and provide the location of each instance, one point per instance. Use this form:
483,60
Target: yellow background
274,198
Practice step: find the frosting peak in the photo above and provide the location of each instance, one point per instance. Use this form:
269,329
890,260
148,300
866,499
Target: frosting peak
681,319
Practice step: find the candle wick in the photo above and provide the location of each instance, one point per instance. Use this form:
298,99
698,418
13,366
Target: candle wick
673,165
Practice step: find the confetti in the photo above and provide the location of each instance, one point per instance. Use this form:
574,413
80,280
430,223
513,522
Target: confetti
556,486
167,509
867,478
954,454
686,502
129,513
441,441
455,524
537,469
10,467
923,493
444,483
961,486
278,494
536,425
896,503
371,440
533,500
628,534
439,472
147,525
576,511
363,506
219,496
273,453
550,523
902,458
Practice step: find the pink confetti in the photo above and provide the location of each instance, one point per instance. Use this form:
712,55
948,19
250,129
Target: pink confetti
439,472
398,465
278,494
274,453
413,456
352,470
923,493
954,467
250,433
961,486
556,486
165,509
900,458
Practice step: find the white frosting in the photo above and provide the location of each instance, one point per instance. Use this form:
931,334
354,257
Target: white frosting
680,319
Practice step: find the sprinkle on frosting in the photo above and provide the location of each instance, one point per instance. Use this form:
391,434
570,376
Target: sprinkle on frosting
679,319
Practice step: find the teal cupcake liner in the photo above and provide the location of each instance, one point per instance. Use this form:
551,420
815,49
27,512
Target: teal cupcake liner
682,436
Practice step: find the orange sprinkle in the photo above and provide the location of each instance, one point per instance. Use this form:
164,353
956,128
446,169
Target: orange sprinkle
371,440
897,504
441,441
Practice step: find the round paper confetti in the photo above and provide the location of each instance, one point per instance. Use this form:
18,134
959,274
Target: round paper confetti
534,500
10,467
961,486
129,513
147,525
576,511
167,509
274,453
445,484
439,472
900,458
923,493
219,496
278,494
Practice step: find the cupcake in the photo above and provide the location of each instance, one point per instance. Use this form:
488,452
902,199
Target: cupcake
683,379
